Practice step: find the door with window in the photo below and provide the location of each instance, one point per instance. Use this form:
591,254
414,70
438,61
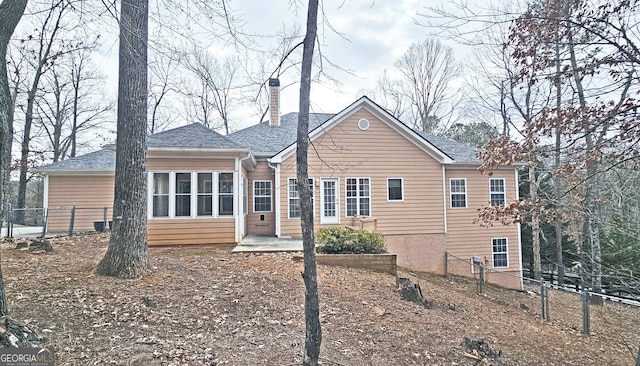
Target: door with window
330,201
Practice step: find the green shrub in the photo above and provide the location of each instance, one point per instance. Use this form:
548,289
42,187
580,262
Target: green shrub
345,240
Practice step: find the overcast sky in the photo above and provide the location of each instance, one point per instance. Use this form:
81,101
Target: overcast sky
364,37
373,35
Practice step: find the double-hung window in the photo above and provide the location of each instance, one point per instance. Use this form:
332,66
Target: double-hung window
497,194
358,197
395,189
183,194
225,194
205,194
261,196
294,197
499,252
191,194
458,191
161,195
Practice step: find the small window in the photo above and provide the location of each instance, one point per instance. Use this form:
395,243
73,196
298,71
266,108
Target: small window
225,194
497,191
160,194
458,191
358,197
395,189
363,124
262,196
499,252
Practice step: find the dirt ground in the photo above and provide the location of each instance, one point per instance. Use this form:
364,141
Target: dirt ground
206,306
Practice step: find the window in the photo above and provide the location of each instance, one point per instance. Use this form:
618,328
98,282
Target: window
160,194
191,194
225,194
358,197
205,194
294,198
499,252
497,191
458,191
395,189
262,196
183,194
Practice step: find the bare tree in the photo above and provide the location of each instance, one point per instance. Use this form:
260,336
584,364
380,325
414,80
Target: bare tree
10,13
127,255
427,70
216,92
160,87
313,337
43,57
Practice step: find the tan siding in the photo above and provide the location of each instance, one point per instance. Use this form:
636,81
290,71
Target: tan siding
178,164
254,225
377,153
466,239
191,231
90,194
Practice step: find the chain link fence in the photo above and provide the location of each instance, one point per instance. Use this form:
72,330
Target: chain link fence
55,221
572,306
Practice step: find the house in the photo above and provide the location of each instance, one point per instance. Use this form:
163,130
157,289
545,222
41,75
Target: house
366,169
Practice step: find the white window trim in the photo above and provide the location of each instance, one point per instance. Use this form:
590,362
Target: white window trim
506,252
504,193
451,193
313,197
194,194
270,194
389,200
358,197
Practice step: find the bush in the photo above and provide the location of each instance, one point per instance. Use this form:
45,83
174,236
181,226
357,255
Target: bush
345,240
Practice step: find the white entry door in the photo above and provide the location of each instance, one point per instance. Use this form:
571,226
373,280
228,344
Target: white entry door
330,198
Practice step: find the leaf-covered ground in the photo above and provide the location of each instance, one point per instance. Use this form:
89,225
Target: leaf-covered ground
206,306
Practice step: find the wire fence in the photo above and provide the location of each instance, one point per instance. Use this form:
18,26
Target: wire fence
55,221
571,306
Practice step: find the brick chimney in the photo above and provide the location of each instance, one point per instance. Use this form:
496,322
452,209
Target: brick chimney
274,102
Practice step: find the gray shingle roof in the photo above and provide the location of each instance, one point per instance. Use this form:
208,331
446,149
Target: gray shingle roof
266,141
195,135
461,153
101,160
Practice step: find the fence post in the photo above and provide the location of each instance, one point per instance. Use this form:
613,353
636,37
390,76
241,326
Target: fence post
546,293
104,220
446,264
544,312
481,283
45,214
10,222
72,220
585,311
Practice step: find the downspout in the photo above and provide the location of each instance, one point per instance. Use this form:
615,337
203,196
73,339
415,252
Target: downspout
444,198
276,193
240,201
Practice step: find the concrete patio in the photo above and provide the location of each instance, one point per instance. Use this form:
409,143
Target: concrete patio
258,243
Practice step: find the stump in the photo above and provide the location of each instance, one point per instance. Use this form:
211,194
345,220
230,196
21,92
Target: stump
35,246
410,291
478,349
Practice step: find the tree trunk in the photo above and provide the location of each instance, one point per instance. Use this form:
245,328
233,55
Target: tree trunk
535,224
313,336
638,358
557,183
10,14
590,226
127,255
